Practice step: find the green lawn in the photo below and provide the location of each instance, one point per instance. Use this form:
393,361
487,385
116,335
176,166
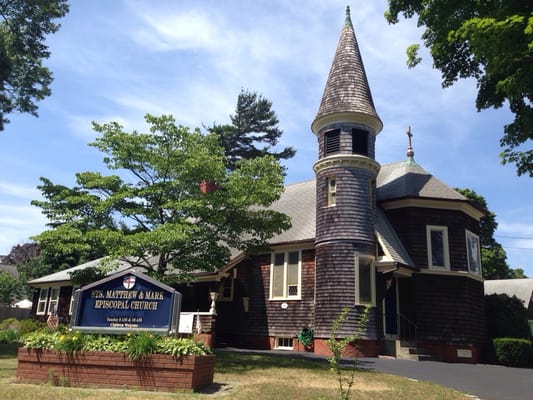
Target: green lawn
243,377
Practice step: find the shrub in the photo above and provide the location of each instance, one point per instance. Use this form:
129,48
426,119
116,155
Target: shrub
178,347
30,325
137,346
9,323
141,345
41,340
9,336
70,342
511,351
506,317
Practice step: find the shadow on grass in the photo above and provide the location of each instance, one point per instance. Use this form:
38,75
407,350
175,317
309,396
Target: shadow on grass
244,361
9,350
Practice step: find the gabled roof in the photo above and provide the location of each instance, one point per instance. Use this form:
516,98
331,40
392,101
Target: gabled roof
521,288
64,275
299,200
347,89
392,246
408,179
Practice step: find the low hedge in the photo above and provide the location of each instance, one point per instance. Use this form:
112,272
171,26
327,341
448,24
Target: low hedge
512,352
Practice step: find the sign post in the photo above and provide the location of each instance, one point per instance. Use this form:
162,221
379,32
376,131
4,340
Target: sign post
124,302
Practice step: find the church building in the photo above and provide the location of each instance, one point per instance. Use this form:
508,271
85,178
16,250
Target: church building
390,241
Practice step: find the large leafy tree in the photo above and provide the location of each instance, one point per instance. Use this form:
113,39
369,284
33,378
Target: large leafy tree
154,205
253,131
10,288
490,41
23,29
494,257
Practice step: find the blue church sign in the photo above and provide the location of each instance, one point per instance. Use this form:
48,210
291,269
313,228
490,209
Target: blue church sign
124,302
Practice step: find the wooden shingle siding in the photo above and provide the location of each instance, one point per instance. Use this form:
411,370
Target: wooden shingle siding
266,317
410,226
350,218
449,309
335,289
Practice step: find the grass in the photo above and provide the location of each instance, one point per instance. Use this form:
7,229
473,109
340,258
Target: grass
244,377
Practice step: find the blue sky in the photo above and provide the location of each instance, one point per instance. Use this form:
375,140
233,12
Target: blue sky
117,60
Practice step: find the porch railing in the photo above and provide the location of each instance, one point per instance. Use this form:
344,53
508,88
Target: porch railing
408,329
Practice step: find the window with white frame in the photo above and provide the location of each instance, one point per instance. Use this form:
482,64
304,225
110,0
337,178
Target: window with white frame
365,292
332,191
285,275
370,200
226,289
437,247
284,343
41,302
473,253
53,301
70,307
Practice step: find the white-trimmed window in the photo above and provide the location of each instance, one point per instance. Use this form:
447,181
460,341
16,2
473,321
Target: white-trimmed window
53,301
226,289
473,253
285,275
284,343
437,247
365,285
332,191
370,192
41,302
72,299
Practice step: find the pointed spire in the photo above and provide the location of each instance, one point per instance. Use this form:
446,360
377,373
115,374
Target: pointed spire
347,93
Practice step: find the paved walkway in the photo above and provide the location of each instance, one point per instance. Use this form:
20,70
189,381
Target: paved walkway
484,382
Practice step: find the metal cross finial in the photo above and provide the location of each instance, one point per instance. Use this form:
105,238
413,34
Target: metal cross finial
410,152
347,20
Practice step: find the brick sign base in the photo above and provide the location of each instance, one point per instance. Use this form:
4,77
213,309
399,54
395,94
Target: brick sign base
158,372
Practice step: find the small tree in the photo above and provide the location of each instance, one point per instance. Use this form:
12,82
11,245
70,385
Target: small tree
154,214
336,347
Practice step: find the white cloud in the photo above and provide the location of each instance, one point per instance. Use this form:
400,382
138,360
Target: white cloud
17,190
188,30
18,224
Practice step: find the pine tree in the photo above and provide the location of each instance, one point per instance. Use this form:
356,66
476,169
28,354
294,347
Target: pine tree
253,131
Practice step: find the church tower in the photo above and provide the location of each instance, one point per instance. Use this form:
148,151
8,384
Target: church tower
346,126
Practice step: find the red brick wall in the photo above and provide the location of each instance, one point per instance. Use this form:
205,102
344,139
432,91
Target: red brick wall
114,370
447,352
367,348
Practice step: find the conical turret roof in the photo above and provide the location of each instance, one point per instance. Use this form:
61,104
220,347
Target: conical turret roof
347,93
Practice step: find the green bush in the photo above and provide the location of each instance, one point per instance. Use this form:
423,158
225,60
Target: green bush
137,346
9,323
141,345
69,342
9,336
512,351
30,325
506,317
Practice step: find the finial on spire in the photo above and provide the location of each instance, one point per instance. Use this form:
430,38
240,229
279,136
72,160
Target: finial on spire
348,20
410,152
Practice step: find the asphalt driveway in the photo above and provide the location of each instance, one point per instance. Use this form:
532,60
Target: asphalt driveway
481,381
486,382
